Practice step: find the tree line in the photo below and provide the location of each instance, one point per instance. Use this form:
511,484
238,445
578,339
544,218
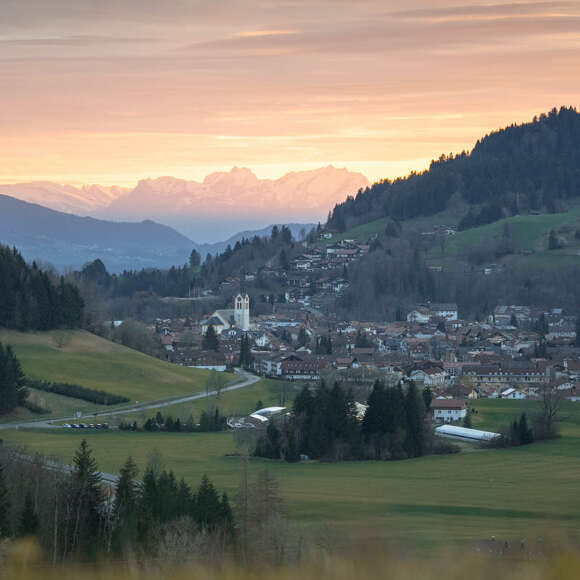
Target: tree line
75,516
210,420
324,425
391,280
30,299
77,392
246,255
521,168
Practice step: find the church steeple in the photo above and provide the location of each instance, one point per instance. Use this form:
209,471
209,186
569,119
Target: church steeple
242,311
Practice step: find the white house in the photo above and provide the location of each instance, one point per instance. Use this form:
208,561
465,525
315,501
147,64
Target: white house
446,311
433,377
448,410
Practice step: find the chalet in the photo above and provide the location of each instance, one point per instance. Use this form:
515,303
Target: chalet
430,377
445,311
295,369
448,410
420,316
506,376
419,351
346,363
502,315
302,263
210,361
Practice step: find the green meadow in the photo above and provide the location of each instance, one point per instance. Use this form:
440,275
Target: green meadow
529,491
237,403
91,361
530,232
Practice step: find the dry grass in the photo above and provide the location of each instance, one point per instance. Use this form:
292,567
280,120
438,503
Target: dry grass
24,562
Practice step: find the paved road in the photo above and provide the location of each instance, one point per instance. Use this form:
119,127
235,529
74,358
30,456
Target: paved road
249,379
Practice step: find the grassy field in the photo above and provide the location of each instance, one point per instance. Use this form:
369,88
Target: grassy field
94,362
529,491
239,402
530,232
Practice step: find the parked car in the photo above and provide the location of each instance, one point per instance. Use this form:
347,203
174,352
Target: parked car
67,426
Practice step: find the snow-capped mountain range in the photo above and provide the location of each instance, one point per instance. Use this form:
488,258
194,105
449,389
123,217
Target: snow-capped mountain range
207,211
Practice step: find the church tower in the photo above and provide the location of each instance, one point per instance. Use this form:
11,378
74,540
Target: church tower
242,311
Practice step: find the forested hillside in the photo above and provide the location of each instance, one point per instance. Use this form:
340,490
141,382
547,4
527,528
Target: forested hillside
31,300
520,169
245,255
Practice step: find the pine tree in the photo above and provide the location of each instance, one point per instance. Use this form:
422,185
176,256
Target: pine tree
29,522
414,413
4,506
184,498
207,505
125,506
210,340
12,391
149,504
526,435
226,515
85,502
427,398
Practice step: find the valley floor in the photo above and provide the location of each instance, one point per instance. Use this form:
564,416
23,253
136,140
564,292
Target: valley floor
526,492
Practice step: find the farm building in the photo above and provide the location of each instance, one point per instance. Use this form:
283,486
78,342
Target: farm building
465,434
448,410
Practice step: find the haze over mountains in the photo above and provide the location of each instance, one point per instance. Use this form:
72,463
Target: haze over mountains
209,211
66,240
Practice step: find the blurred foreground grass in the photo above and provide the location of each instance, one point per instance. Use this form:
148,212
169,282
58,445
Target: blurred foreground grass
23,561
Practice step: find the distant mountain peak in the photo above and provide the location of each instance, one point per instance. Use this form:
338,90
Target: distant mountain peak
223,203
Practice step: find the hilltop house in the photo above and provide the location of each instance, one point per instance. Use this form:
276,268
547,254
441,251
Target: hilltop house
448,410
431,377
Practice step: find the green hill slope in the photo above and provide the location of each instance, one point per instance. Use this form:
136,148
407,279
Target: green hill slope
96,363
530,233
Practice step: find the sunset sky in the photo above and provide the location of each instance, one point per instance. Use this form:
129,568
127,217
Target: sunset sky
111,91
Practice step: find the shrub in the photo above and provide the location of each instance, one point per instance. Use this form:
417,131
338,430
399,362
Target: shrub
77,392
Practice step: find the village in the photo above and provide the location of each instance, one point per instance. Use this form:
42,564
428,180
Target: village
512,354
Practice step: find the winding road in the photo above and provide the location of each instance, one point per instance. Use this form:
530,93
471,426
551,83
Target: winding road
249,379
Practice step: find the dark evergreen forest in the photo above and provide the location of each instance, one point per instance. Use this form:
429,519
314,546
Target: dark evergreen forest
245,256
522,168
31,300
324,426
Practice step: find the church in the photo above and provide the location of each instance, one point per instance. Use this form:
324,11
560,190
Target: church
236,317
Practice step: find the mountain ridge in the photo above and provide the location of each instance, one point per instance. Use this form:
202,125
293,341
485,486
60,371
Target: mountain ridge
233,201
67,240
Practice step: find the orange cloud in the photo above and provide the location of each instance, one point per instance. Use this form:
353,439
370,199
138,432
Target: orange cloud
380,87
